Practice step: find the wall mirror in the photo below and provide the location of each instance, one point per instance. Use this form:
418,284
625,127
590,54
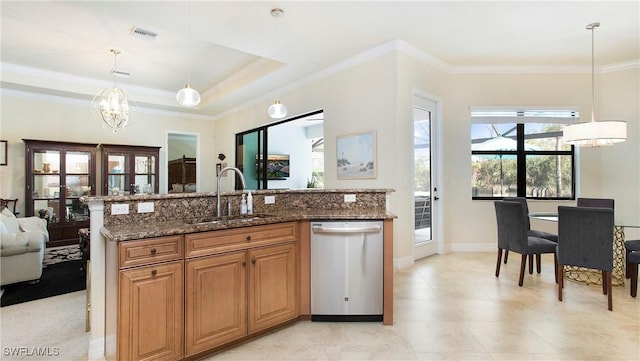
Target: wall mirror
182,162
288,154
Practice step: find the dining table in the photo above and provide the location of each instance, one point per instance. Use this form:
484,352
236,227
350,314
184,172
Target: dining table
591,276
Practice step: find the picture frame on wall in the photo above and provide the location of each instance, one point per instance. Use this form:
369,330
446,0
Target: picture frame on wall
356,155
3,152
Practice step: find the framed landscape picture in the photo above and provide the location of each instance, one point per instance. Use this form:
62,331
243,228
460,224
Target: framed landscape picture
356,155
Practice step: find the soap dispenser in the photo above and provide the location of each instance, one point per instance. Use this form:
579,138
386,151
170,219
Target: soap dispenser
243,204
250,203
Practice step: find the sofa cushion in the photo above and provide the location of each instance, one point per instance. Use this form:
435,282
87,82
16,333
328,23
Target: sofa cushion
3,229
21,242
10,221
34,224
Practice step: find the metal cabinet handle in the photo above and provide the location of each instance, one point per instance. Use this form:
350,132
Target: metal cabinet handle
154,273
153,251
244,263
253,261
248,238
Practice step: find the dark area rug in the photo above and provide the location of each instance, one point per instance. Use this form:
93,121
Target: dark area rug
57,279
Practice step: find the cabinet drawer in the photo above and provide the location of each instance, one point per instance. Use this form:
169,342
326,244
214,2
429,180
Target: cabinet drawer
147,251
205,243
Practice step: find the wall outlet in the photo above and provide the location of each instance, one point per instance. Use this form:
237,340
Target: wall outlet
269,199
349,198
119,209
145,207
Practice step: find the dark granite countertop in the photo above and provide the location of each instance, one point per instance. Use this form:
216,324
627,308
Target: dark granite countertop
159,229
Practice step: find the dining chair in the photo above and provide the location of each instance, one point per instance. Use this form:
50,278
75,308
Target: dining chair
585,239
630,246
530,232
595,202
512,236
634,259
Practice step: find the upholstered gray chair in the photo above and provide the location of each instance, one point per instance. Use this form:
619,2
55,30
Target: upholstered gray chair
633,259
512,236
585,239
530,232
595,202
630,246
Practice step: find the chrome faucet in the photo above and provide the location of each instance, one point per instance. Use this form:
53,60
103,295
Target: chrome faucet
222,171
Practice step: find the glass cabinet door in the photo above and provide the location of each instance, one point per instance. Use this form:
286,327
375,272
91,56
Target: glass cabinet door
46,183
145,177
77,184
129,169
117,178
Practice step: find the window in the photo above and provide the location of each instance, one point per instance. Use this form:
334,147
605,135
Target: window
521,154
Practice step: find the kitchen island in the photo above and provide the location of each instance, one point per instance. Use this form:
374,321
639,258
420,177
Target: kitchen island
256,266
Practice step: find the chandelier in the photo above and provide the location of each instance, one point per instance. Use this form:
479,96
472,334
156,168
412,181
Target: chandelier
595,133
112,103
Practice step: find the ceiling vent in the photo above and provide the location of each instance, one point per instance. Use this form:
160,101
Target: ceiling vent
143,34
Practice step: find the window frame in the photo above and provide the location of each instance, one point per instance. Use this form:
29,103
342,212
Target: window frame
521,170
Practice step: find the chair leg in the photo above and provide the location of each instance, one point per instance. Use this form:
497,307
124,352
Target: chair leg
555,266
634,279
560,271
538,261
531,264
506,255
523,263
609,292
499,261
604,282
627,269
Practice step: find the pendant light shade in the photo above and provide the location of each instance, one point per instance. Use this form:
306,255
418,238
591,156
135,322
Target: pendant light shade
277,110
112,103
595,133
188,97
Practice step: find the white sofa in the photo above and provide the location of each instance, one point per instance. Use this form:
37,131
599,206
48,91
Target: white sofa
22,246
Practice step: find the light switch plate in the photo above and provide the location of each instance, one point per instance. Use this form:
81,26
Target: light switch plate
349,198
269,199
119,209
145,207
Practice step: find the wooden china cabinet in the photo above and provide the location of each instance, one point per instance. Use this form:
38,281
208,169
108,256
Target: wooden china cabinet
57,175
129,169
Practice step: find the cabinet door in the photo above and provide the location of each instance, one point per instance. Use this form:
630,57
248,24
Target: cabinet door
216,306
150,313
272,286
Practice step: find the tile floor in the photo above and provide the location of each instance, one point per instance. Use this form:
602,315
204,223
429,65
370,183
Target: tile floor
452,307
447,307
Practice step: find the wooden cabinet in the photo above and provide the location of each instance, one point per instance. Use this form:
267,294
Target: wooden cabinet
150,299
129,169
239,281
57,175
216,301
272,286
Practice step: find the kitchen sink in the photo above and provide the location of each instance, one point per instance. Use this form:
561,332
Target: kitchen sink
232,219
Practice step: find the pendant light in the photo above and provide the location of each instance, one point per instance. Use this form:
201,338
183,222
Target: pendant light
595,133
112,102
187,96
277,110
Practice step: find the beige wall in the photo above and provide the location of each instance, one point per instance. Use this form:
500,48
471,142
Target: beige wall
376,95
73,121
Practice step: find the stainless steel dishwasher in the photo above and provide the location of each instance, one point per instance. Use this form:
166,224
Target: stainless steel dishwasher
346,270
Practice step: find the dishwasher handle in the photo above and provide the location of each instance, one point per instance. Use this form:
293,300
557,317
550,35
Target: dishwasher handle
369,229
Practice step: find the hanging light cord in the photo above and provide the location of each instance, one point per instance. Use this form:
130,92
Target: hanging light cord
592,27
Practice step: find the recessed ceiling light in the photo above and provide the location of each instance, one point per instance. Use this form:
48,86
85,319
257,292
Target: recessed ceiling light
142,33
